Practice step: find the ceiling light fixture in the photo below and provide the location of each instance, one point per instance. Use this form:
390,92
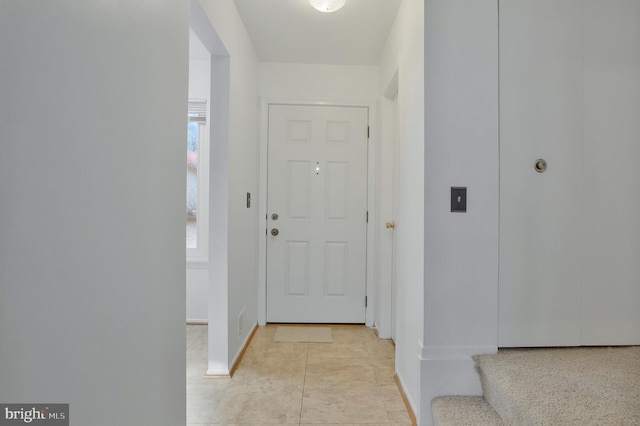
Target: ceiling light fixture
327,5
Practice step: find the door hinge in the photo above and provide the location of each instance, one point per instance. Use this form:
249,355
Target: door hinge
368,132
367,216
365,301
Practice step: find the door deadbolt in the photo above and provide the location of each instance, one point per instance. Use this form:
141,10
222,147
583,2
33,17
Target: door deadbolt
275,232
274,216
540,165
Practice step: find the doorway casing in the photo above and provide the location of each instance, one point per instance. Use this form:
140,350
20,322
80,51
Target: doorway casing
387,197
371,199
218,332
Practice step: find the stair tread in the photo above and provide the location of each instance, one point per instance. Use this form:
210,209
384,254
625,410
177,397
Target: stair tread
567,386
464,411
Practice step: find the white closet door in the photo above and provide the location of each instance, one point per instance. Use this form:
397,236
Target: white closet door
611,218
541,98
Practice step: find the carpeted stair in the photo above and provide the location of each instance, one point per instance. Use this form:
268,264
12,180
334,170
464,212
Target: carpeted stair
559,386
464,411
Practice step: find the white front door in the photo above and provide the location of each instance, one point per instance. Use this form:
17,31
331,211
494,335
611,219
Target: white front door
317,214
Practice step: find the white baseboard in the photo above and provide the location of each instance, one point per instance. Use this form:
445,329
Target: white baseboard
454,352
407,395
243,347
448,370
197,322
221,371
226,371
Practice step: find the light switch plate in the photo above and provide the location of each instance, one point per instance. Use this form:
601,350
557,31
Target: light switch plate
459,199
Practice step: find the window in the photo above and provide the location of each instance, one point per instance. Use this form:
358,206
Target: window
196,179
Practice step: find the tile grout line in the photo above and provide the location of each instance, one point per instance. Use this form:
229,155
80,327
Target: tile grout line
216,404
304,382
368,358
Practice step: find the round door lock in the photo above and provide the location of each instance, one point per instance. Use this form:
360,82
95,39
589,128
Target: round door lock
274,232
540,165
274,216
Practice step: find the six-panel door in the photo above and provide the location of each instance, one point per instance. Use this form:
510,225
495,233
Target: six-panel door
317,209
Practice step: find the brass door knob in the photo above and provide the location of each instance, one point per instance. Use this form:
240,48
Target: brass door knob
275,232
391,225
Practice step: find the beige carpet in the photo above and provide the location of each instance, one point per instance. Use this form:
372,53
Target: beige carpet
303,334
572,386
464,411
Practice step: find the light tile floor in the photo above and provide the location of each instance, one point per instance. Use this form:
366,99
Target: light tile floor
347,382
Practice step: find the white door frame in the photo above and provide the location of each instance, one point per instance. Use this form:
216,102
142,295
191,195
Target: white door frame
262,200
217,306
386,320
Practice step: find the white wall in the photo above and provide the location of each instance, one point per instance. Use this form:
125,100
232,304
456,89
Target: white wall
461,149
199,79
301,82
243,147
404,53
197,294
92,189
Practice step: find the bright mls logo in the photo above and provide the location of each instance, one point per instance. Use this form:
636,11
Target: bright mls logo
37,414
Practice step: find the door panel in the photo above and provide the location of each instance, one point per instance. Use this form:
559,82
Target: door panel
541,90
298,185
336,268
337,190
611,276
317,187
297,261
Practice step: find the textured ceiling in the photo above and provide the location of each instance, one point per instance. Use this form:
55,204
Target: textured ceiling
293,31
